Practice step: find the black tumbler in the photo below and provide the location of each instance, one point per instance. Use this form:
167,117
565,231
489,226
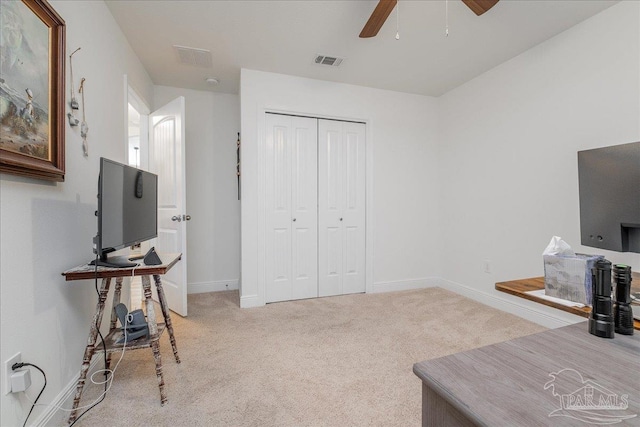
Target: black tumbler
601,323
622,312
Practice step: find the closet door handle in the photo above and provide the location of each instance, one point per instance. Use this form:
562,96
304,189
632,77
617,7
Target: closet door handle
294,220
340,219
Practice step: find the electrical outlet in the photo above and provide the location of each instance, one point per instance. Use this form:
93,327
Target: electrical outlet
487,266
17,358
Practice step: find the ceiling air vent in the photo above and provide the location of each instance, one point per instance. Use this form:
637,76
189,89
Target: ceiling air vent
194,56
328,60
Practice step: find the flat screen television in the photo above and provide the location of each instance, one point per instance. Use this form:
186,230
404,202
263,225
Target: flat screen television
127,210
609,188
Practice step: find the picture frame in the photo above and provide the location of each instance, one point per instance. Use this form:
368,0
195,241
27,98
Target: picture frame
32,77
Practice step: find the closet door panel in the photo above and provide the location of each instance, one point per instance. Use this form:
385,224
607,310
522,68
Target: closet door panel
304,264
330,261
341,168
351,247
331,172
281,240
330,206
354,208
291,208
304,203
278,209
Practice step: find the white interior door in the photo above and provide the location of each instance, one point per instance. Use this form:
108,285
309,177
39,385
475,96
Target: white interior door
167,160
291,240
341,198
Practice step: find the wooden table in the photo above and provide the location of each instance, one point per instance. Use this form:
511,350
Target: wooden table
520,288
84,272
521,382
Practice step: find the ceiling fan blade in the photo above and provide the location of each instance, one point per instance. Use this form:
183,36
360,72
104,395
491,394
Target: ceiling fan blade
379,15
480,6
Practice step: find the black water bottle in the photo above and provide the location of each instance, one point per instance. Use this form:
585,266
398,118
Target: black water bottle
622,312
601,323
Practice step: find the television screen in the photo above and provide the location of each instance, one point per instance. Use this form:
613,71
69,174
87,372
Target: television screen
127,208
609,180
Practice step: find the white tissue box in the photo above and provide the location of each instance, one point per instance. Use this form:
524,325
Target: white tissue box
569,277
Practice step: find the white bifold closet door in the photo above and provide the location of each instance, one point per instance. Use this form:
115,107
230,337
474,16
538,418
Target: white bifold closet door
314,208
291,200
341,211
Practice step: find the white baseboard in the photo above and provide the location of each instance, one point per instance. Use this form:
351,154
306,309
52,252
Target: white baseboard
53,415
405,285
537,313
249,301
215,286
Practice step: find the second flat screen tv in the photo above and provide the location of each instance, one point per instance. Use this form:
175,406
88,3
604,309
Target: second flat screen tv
609,180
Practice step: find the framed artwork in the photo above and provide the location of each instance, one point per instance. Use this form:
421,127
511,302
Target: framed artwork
32,59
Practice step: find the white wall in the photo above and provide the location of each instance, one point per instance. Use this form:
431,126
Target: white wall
401,136
509,138
47,228
226,209
212,124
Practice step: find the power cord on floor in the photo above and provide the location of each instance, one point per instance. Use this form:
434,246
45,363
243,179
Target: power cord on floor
108,373
108,381
104,347
20,365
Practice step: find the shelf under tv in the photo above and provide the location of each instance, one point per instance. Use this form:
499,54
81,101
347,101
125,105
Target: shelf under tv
111,341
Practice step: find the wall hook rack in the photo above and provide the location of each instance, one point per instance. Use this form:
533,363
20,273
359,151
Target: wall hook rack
84,128
74,102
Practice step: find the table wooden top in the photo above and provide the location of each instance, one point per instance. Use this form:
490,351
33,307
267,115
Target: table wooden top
520,288
520,382
86,271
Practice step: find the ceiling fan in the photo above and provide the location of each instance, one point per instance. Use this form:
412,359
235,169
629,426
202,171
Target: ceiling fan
384,8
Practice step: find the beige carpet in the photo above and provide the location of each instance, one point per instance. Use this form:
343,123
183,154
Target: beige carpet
339,361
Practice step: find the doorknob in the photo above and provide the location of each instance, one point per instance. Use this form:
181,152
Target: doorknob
294,220
186,217
176,218
340,219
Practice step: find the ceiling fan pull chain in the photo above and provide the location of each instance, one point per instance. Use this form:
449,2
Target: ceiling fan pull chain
398,20
446,18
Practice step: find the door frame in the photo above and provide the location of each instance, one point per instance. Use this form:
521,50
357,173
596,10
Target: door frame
132,97
261,204
135,296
